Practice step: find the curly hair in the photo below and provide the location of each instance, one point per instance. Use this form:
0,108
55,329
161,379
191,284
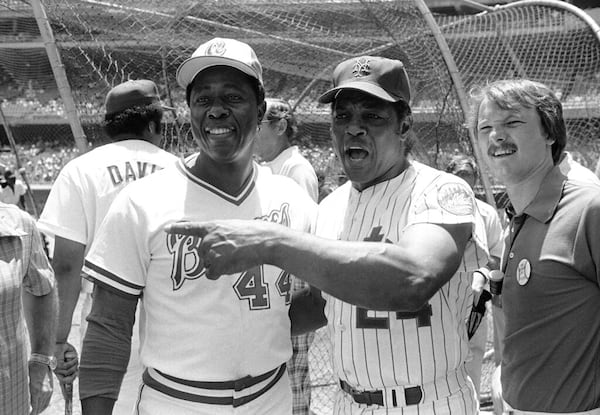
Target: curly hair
133,120
279,109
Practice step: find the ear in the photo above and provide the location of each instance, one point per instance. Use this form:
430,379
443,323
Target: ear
404,127
281,126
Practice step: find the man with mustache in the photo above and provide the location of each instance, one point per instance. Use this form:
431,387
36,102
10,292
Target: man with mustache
396,248
551,288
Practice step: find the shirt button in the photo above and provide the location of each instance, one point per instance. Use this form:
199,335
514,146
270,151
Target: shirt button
341,327
511,255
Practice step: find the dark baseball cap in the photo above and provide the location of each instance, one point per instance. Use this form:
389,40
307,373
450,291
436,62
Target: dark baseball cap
220,52
130,94
381,77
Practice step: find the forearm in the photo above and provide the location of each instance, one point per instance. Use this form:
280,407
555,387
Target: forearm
346,270
41,316
67,263
69,287
107,345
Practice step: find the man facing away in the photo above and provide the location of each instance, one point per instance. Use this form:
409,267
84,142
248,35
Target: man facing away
210,346
551,288
393,256
82,194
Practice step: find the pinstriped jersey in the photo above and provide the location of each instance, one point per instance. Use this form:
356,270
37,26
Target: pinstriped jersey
375,350
194,328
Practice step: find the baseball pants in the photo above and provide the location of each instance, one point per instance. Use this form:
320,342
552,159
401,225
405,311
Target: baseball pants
275,401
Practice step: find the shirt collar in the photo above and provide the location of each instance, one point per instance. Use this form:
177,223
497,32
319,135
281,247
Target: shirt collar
545,202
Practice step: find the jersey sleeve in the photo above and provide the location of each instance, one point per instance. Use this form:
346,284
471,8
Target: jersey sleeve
64,212
495,234
449,200
119,255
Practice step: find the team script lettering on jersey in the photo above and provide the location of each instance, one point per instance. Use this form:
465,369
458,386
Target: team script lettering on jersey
188,265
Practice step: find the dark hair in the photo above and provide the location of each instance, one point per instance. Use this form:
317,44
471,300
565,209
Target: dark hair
258,88
508,94
459,160
404,113
133,120
278,109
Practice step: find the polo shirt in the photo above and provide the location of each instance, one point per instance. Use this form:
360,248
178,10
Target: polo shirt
551,299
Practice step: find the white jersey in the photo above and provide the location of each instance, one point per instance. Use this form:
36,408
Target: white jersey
379,350
87,185
195,328
493,228
292,164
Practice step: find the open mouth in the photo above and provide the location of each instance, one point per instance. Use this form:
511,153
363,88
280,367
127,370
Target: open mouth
502,152
356,153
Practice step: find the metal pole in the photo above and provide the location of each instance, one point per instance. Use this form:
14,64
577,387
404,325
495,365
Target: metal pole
58,70
460,91
20,170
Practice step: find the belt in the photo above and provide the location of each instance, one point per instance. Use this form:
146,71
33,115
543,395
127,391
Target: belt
412,395
215,393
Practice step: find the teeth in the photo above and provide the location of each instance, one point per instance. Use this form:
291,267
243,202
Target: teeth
503,152
218,130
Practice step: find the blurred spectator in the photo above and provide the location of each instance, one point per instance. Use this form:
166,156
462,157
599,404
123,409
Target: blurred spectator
12,190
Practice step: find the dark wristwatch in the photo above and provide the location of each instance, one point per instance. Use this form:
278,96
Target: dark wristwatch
49,361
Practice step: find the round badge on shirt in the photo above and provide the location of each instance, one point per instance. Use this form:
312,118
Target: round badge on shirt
523,272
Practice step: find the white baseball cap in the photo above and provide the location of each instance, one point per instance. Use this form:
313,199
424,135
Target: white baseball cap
220,52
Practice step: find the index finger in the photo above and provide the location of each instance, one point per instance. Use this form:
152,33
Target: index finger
199,229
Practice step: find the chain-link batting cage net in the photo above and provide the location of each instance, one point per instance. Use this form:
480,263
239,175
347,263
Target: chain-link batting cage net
101,43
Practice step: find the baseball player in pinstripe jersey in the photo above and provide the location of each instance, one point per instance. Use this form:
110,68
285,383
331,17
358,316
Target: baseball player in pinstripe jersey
393,258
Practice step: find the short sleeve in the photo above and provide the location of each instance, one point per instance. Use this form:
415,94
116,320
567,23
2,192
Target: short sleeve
64,212
39,277
449,200
119,255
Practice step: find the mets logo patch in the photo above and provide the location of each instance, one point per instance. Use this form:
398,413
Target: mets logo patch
361,68
456,199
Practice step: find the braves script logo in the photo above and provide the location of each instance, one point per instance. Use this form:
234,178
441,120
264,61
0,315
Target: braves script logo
361,68
187,263
216,48
184,249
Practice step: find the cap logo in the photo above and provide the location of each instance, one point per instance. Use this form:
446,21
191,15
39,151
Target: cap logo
361,68
216,48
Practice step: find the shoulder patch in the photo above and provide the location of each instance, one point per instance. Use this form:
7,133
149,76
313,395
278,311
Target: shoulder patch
456,199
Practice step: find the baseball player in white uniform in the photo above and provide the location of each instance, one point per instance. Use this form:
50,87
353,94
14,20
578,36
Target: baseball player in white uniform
209,347
275,151
82,194
465,167
395,251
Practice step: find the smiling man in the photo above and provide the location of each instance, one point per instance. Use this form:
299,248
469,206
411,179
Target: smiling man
209,347
395,251
551,288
